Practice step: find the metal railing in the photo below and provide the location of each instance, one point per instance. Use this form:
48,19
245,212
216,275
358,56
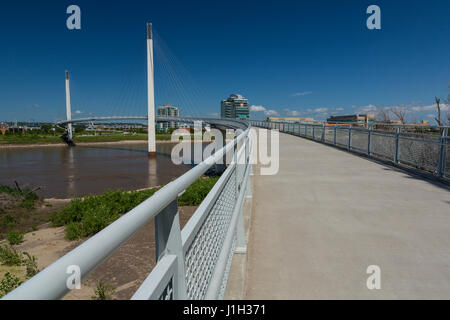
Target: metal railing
192,263
422,151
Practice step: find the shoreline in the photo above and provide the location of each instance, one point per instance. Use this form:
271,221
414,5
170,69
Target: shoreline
67,200
41,145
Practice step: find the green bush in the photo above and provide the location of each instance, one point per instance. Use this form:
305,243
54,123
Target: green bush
10,256
87,216
84,217
31,264
14,237
8,220
197,191
8,284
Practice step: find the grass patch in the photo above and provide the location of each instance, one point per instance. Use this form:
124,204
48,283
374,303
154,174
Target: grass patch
195,194
14,237
28,197
103,291
8,284
8,220
29,139
87,216
84,217
10,256
30,262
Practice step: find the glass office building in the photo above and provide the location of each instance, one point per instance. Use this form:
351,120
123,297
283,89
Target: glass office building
235,107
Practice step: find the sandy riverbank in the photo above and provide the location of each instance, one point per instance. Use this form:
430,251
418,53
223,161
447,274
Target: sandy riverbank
124,270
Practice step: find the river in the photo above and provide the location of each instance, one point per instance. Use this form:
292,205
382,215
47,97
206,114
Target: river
62,172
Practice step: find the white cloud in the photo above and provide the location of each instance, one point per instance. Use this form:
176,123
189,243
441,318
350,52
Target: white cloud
263,109
365,109
292,113
301,94
36,105
257,108
432,107
214,114
78,112
270,113
321,110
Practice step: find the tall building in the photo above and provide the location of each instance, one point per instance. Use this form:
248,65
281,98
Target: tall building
235,107
168,110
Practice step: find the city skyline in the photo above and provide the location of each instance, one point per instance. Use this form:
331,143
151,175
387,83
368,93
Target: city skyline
295,65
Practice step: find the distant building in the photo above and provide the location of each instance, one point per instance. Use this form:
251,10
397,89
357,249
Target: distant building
289,119
354,119
423,123
168,110
235,107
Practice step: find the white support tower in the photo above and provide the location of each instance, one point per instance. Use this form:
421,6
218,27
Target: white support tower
68,108
151,93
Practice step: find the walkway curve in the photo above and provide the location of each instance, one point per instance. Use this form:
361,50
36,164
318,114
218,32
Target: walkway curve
328,214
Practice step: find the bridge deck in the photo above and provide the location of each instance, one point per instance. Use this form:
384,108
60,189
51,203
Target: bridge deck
327,215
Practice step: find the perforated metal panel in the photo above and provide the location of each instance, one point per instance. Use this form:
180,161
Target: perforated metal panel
318,133
342,136
329,135
201,257
359,140
223,287
421,153
382,145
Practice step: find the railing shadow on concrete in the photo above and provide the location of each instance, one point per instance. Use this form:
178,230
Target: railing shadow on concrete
425,152
192,263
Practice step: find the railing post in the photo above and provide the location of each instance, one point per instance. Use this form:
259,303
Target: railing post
397,144
442,153
335,134
313,131
323,132
369,137
221,167
349,138
168,241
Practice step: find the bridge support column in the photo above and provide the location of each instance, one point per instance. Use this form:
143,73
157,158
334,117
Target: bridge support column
68,112
151,94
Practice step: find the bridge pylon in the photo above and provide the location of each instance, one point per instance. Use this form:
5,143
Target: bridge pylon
69,136
150,93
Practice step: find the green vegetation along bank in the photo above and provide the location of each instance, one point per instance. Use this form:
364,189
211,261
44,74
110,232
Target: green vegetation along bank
87,216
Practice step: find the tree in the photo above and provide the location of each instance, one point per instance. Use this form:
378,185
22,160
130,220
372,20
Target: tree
438,119
400,112
383,115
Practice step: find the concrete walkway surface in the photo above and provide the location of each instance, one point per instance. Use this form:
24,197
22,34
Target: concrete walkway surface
328,214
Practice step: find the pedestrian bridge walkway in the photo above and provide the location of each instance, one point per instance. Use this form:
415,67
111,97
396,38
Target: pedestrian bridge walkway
328,214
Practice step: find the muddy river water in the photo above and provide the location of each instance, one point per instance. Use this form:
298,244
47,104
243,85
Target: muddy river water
62,172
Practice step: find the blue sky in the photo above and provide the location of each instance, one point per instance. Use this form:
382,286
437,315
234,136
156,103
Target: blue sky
305,58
